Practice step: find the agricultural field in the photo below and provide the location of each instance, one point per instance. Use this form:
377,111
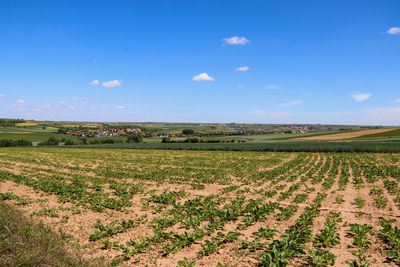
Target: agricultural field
212,208
33,136
394,133
282,146
350,134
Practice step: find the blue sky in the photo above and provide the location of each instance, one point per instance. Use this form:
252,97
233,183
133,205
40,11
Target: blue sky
201,61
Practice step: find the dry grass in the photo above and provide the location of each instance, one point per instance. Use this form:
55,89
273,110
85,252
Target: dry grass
24,243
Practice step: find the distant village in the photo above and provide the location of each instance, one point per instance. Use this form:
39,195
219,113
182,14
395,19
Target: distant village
105,132
237,130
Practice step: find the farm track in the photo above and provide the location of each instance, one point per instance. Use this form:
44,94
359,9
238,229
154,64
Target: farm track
201,205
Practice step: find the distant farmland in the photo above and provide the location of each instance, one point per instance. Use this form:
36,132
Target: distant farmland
347,135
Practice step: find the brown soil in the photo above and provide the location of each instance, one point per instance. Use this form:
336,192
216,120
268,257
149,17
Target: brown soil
80,225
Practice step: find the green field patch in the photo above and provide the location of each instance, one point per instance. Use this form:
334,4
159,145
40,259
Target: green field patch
389,134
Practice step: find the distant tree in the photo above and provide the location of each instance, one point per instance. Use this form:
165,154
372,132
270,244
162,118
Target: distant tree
69,142
166,140
192,140
52,141
134,138
10,122
107,141
95,141
8,143
188,132
61,131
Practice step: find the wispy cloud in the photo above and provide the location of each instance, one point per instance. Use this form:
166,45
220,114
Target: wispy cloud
279,115
292,103
394,30
94,82
360,97
370,116
1,95
235,40
20,101
396,100
53,107
273,86
258,112
119,107
203,77
111,84
383,115
245,68
81,100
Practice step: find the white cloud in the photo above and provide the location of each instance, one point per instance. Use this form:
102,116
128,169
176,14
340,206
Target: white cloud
273,86
236,40
360,97
292,103
20,101
94,82
111,84
397,100
245,68
119,107
394,30
1,95
203,77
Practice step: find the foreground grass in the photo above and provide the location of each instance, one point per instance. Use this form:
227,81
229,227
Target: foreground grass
24,243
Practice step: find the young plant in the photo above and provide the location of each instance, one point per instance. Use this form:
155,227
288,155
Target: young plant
339,199
360,202
320,257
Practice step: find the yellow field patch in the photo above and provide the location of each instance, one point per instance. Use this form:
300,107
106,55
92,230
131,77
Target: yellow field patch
85,125
23,124
15,132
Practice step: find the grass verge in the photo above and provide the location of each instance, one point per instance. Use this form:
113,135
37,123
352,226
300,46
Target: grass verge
24,243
